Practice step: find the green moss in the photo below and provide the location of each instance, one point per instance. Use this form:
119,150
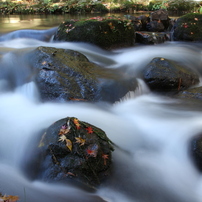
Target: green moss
189,27
103,32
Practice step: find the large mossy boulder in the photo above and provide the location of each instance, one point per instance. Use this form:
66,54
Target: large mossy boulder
188,28
107,33
67,75
71,151
163,75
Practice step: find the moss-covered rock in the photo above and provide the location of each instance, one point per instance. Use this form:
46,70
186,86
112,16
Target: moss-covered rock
188,28
107,33
67,75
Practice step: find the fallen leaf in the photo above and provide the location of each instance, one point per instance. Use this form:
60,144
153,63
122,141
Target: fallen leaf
92,150
105,157
64,129
80,140
9,198
76,122
70,173
69,144
62,138
89,130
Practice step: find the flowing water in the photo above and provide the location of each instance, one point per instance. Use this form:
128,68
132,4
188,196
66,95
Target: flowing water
152,162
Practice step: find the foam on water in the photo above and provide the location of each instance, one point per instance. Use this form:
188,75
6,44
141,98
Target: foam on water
151,134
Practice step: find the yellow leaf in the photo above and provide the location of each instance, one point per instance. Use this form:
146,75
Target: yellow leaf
80,140
41,143
64,129
110,24
69,144
76,122
10,198
62,138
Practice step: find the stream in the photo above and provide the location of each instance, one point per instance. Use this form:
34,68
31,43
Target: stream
152,162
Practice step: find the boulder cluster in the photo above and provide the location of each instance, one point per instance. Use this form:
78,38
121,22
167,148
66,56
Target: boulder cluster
74,149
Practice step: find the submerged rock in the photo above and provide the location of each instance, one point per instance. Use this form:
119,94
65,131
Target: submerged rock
67,75
165,75
73,149
107,33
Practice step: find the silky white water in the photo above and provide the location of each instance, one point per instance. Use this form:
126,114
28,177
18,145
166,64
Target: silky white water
152,162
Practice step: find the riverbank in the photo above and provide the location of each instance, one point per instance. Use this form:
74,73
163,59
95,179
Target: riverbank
95,7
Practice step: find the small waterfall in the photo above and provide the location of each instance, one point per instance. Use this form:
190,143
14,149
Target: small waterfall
141,89
29,90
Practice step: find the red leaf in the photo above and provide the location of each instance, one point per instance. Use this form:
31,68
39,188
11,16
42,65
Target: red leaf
89,130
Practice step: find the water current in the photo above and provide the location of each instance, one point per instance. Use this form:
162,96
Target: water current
152,132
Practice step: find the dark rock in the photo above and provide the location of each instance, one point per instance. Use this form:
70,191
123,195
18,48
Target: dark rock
161,16
151,37
144,21
71,149
155,26
135,21
165,75
157,22
67,75
188,28
196,151
139,22
192,93
107,33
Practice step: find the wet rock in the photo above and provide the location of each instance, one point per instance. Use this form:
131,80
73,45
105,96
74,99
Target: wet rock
144,21
139,22
165,75
107,33
67,75
71,149
191,93
155,26
196,151
136,23
151,37
188,28
160,16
